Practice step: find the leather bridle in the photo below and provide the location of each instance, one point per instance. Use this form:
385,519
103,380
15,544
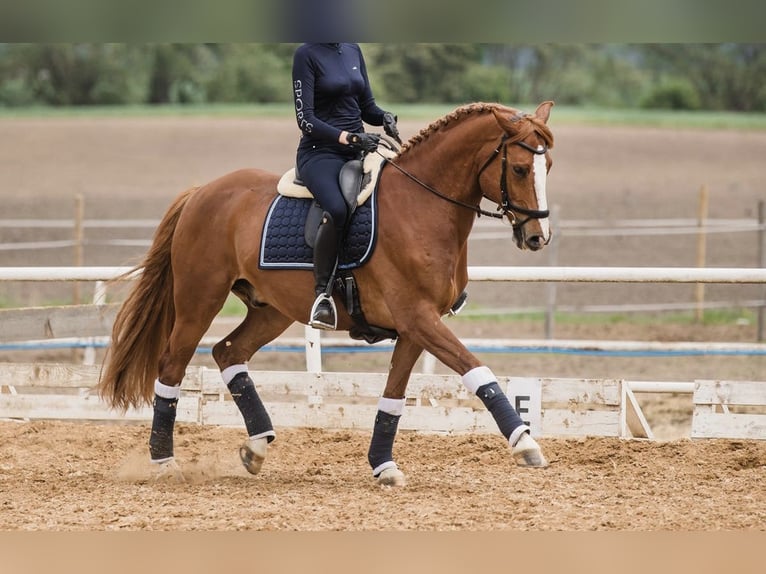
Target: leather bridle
509,208
506,206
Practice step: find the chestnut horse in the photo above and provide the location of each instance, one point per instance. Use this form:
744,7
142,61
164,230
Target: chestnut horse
428,197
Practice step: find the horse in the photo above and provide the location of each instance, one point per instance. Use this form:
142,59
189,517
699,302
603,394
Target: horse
428,195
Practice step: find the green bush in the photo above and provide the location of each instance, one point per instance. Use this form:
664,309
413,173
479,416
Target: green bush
486,84
672,95
15,93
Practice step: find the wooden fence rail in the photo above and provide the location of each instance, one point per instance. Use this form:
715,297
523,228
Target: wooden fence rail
553,407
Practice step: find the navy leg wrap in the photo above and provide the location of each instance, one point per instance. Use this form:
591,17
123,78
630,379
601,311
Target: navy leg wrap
383,435
497,403
257,420
161,439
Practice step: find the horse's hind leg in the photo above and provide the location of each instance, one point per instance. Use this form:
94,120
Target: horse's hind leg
261,325
390,406
194,312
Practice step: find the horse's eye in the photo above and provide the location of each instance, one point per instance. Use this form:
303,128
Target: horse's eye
520,170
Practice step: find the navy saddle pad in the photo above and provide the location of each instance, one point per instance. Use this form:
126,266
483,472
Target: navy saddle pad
283,245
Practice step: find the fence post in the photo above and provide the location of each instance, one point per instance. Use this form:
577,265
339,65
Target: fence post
313,350
762,262
701,251
79,211
99,298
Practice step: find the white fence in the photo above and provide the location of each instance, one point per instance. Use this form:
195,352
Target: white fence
520,274
565,228
434,403
67,327
555,407
702,226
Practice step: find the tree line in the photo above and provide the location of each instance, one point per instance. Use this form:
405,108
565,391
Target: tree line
672,76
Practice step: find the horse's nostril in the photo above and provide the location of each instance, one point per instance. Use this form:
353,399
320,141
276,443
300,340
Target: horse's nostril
535,242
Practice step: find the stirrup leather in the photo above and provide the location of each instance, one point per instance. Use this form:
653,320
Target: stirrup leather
315,322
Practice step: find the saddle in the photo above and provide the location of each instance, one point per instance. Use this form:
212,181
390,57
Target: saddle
358,179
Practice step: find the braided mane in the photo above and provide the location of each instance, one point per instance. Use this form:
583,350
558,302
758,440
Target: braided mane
531,123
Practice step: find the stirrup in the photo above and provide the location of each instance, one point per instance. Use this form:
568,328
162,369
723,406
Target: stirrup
459,303
323,323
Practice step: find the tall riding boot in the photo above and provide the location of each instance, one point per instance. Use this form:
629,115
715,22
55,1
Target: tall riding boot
323,315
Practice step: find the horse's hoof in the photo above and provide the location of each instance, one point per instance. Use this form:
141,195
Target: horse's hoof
253,453
527,453
167,471
391,477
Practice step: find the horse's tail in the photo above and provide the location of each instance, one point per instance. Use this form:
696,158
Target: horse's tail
143,324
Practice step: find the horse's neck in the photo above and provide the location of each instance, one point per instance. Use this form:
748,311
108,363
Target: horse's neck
445,159
446,162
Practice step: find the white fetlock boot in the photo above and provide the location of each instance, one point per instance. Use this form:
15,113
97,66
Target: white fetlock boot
526,452
253,453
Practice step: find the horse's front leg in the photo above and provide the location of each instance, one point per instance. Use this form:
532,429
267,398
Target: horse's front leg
427,330
390,406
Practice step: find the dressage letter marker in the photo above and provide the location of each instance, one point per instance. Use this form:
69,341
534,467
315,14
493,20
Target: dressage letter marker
520,409
526,396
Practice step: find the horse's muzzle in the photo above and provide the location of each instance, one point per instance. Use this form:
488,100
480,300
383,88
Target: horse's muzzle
531,241
534,242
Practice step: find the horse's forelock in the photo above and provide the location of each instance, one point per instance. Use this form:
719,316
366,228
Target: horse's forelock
530,123
542,129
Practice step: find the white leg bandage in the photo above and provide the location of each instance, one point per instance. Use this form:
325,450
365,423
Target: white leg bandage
478,377
166,391
232,371
264,434
380,468
393,407
516,434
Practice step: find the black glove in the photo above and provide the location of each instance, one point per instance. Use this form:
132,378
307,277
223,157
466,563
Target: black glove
363,142
389,126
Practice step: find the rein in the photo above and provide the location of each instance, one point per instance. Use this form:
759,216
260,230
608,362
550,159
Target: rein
507,206
438,193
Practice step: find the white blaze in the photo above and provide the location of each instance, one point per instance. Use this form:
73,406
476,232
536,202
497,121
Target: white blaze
539,172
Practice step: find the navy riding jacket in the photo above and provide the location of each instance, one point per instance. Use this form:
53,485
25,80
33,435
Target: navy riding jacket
332,93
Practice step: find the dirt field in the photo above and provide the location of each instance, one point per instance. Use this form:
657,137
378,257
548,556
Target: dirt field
66,476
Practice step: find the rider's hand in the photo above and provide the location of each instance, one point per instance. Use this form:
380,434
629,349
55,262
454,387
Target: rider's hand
389,126
363,141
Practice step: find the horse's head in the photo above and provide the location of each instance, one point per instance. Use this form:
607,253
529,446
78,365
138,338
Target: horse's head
521,173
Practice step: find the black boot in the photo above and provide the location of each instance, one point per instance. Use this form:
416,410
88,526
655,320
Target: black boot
323,314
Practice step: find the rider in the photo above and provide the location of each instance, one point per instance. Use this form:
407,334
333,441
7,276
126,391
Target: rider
332,98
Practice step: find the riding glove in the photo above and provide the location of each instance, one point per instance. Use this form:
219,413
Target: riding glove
389,126
363,141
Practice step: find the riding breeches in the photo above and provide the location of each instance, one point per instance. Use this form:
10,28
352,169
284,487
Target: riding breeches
319,171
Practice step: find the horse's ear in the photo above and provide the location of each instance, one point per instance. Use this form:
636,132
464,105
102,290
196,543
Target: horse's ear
543,111
508,123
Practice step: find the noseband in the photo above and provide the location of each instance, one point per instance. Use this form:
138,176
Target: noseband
507,207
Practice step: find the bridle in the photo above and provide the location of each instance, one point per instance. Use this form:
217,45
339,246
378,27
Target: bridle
506,206
509,208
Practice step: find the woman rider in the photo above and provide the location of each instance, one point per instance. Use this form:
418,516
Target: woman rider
332,98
